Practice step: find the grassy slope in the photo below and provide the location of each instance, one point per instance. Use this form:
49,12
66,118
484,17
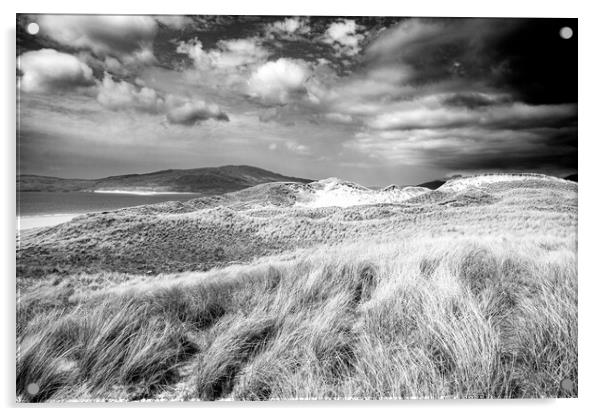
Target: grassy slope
471,294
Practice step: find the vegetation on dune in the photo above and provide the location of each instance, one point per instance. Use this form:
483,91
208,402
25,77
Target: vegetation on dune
212,232
439,318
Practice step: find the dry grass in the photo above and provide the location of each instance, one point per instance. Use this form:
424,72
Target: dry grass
439,318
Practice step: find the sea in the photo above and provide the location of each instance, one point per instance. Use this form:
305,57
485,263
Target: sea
43,209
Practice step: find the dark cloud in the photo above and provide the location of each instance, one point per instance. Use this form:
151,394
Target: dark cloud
536,63
472,100
553,160
477,149
524,56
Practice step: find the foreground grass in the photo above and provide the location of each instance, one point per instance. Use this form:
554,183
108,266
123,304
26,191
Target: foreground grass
440,317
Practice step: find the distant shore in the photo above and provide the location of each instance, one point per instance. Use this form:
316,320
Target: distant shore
27,222
141,192
43,209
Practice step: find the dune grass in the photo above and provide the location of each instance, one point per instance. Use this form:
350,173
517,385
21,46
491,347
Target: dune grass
440,317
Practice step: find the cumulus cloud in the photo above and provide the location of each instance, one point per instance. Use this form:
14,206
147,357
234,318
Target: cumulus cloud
125,96
343,37
128,38
47,70
191,112
289,28
229,54
277,82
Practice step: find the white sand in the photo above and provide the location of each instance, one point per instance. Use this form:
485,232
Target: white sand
333,192
135,192
34,221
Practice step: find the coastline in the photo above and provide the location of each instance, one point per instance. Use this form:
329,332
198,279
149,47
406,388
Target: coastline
143,193
27,222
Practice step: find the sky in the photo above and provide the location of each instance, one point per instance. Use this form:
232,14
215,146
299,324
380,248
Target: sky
376,100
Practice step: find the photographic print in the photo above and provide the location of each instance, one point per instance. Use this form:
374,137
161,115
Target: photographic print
295,207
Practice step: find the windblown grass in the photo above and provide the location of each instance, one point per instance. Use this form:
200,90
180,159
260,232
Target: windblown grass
439,317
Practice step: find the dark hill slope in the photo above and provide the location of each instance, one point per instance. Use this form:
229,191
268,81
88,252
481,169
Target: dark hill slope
212,181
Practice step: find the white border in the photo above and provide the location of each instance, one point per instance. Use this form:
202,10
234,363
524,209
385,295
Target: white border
590,189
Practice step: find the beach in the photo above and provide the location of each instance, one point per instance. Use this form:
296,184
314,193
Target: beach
35,221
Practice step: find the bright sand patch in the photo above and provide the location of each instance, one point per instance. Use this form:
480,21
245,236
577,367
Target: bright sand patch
35,221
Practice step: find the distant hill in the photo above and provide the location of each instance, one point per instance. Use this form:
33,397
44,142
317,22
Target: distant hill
215,180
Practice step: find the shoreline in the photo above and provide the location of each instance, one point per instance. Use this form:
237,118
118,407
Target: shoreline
142,193
27,222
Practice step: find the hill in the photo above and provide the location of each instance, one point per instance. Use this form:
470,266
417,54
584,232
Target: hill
211,181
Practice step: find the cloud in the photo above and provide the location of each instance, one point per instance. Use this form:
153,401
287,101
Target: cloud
277,82
471,148
408,37
128,38
277,115
47,70
191,112
338,117
298,148
439,49
174,21
238,52
292,147
229,54
515,115
125,96
510,54
472,100
343,37
430,93
289,28
356,94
